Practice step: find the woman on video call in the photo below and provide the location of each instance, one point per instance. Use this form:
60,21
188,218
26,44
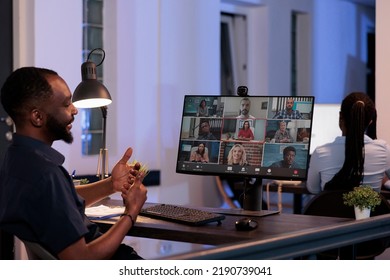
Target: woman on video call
237,155
245,132
200,154
203,110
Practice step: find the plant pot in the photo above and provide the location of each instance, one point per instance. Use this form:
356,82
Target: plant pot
362,214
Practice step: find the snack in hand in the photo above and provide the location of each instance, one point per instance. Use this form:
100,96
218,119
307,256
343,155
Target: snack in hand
144,167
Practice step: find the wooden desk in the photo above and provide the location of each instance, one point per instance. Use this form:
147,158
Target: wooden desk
269,227
298,243
278,236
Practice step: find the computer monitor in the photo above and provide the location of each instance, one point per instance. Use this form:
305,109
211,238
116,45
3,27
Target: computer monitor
275,144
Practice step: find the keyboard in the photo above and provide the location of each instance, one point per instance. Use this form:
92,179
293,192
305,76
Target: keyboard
181,214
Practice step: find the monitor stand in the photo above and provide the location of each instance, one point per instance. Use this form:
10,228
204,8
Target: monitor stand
252,195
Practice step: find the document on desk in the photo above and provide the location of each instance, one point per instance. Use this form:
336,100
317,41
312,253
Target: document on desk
103,212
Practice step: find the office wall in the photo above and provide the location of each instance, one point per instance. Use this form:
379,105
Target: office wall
160,57
340,48
279,43
383,68
157,51
44,37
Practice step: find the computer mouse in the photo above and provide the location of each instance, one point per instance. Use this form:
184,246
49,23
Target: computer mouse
246,224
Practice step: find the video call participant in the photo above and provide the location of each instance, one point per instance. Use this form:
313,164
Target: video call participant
237,155
303,135
204,131
288,160
39,202
200,154
282,135
203,110
288,112
245,133
245,106
353,158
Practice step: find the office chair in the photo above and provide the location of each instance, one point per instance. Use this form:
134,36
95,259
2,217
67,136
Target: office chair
227,195
36,252
231,190
331,204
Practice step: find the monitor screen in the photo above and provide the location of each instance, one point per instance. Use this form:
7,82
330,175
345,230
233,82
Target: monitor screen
254,136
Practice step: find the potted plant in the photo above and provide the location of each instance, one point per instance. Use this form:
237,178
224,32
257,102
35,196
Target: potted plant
364,199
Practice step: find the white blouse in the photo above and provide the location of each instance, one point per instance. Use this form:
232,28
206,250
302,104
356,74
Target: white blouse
328,159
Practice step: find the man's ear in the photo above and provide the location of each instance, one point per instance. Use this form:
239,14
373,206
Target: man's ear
36,117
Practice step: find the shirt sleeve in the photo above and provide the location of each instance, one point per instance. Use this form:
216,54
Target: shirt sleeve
277,116
251,134
290,139
206,156
388,155
387,171
277,136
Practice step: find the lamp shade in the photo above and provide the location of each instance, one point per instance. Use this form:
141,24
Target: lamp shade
90,93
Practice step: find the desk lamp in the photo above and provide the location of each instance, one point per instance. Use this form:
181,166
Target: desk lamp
90,93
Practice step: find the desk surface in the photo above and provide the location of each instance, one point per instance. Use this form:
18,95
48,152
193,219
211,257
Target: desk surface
268,228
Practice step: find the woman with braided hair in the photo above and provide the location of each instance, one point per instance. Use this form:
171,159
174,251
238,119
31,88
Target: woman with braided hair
353,158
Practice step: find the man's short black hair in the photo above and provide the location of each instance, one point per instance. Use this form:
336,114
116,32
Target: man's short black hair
25,88
289,149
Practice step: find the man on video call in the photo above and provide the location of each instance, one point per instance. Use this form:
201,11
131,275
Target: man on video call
245,106
204,131
39,202
288,160
288,113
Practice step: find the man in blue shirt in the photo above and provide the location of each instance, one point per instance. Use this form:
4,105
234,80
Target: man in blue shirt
38,199
288,113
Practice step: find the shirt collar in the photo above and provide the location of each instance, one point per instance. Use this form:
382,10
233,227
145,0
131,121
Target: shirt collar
40,147
366,139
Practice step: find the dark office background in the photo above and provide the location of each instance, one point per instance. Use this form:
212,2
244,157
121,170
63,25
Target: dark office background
6,55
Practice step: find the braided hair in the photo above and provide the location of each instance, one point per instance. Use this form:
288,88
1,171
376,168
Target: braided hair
358,113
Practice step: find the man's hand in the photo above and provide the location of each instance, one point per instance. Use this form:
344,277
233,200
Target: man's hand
124,173
134,195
